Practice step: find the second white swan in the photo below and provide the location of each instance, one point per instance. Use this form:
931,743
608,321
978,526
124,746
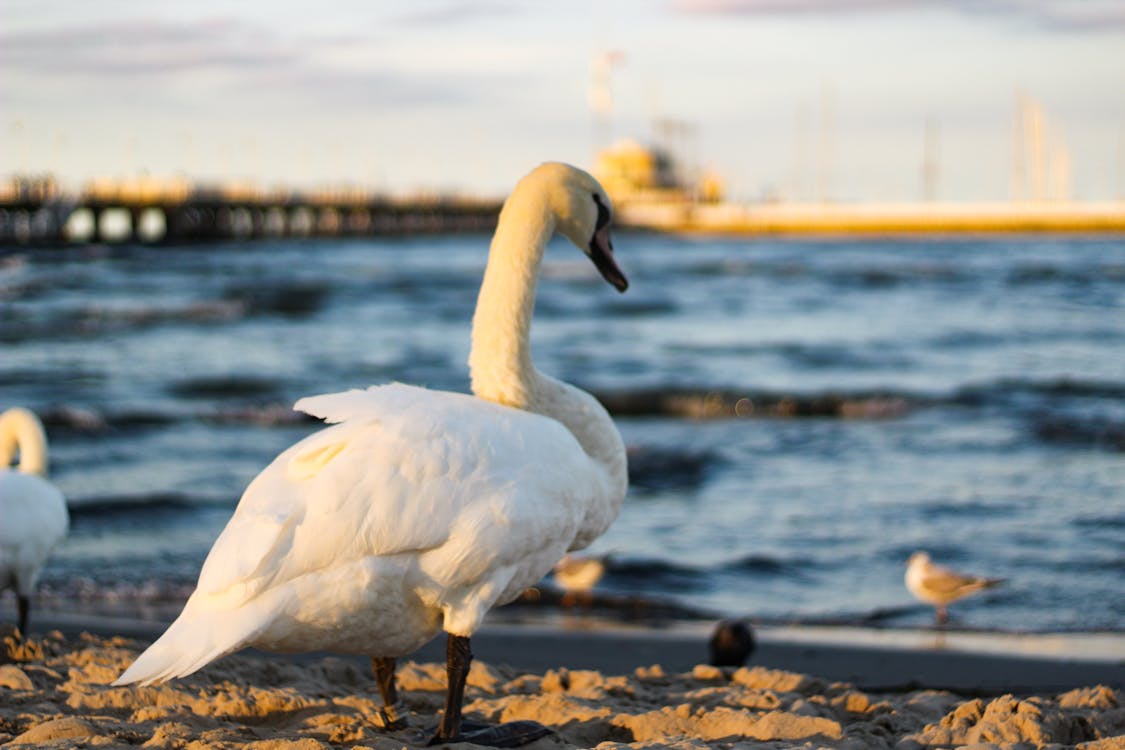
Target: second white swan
419,510
33,513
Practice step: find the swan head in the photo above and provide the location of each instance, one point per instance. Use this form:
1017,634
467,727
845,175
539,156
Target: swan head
583,214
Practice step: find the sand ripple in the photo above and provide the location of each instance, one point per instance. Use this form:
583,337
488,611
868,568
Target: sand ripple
54,693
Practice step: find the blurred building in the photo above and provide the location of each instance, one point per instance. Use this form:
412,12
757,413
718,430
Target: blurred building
649,188
635,174
34,188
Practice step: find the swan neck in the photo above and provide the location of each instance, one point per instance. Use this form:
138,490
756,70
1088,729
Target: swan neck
21,431
500,361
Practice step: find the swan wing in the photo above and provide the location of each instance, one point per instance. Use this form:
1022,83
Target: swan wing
402,470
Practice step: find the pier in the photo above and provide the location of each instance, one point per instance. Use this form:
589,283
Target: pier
35,212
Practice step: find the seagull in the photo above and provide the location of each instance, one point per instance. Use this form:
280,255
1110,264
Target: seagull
417,511
577,575
940,586
33,513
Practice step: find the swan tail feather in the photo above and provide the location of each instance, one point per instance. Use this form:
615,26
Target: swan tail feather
190,643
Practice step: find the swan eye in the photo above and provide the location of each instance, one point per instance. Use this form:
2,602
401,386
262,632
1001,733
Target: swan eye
603,213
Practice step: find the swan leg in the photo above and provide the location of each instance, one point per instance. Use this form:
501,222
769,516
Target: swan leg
392,715
942,616
458,659
23,606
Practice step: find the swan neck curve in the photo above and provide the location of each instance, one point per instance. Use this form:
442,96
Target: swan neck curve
20,430
500,360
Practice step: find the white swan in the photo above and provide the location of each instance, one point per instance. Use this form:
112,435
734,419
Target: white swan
419,510
33,514
940,586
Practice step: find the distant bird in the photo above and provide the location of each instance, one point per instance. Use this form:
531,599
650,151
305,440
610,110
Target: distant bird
731,644
940,586
33,514
577,576
419,510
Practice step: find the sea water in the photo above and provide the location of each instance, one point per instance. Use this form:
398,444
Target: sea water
801,415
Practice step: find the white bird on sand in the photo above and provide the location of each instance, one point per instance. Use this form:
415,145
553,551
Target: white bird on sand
940,586
33,514
419,510
577,575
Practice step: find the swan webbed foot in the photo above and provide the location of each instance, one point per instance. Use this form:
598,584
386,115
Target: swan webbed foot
392,717
453,728
393,713
510,734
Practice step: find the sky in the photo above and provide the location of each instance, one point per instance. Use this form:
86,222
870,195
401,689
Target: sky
843,100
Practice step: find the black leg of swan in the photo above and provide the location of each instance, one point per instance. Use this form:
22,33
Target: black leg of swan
392,715
23,605
458,659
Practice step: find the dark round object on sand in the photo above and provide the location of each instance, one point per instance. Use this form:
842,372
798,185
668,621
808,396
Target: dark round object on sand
731,644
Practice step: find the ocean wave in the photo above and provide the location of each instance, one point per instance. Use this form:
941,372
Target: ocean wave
1101,521
656,573
725,404
225,386
653,469
63,377
102,506
1044,273
262,415
89,321
83,589
1099,432
946,509
653,574
1058,387
293,299
767,565
73,419
805,356
81,419
638,307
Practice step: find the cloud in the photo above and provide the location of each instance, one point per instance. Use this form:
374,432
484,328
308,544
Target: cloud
137,48
451,13
1062,15
787,7
236,55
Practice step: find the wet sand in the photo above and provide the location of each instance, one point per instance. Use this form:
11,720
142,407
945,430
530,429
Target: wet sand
607,687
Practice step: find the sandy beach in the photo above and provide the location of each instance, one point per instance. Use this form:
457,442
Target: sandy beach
54,692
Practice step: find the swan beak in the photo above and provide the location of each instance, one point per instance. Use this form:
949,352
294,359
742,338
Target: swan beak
601,252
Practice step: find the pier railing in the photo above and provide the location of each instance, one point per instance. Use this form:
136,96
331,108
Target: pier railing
204,216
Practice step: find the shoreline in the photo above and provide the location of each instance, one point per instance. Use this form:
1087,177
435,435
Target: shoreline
55,692
971,662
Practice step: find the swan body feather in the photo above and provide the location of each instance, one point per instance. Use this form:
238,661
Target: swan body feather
414,510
